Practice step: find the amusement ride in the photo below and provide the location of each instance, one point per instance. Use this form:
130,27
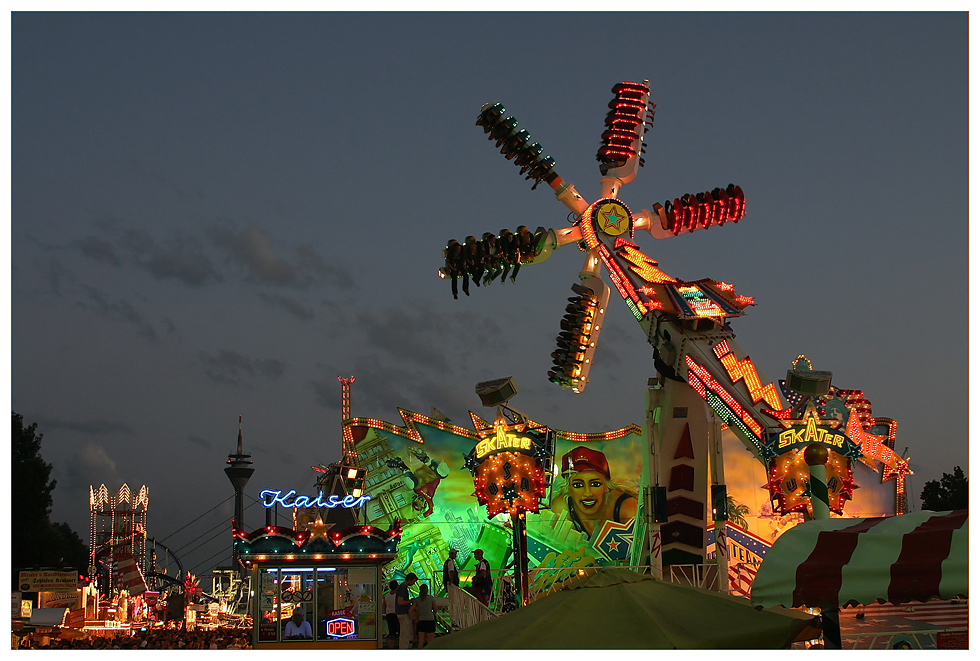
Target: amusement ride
704,379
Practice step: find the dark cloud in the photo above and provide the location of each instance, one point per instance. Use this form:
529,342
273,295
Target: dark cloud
181,258
134,166
92,426
613,335
289,304
121,310
232,367
90,465
255,251
405,334
182,262
98,250
418,334
56,274
281,455
310,262
197,440
325,390
381,388
413,360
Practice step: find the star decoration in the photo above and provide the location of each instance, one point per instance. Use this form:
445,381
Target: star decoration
509,492
853,451
319,529
810,420
871,445
768,450
539,451
897,473
611,218
470,462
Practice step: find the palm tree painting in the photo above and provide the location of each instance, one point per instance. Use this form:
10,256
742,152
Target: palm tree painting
737,512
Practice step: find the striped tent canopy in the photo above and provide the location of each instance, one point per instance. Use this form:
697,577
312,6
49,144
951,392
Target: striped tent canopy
838,562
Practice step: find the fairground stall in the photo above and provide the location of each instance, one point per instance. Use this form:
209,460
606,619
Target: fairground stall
316,588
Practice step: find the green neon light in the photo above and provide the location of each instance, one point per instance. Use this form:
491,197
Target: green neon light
636,311
729,418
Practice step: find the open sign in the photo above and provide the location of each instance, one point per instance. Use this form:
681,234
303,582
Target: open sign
340,627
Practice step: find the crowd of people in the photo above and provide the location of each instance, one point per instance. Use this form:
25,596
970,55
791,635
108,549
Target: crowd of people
224,638
411,621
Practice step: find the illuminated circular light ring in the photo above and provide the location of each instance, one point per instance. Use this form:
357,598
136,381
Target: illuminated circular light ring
511,482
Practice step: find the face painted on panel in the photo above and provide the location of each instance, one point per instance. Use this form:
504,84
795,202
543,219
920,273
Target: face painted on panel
588,492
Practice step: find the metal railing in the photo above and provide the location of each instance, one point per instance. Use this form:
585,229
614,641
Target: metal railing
465,610
698,576
740,577
548,580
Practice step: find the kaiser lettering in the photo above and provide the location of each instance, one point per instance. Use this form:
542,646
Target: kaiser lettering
271,498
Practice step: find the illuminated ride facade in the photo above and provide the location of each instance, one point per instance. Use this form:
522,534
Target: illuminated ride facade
498,486
117,539
707,393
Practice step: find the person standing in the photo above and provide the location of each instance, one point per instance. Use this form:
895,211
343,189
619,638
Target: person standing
450,573
482,582
403,603
391,616
426,605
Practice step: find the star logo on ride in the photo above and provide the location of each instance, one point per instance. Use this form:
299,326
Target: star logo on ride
612,218
615,540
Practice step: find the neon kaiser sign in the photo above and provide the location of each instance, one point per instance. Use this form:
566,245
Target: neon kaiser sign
271,498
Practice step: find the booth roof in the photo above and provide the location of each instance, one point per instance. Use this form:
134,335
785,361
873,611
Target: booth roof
48,617
831,562
620,609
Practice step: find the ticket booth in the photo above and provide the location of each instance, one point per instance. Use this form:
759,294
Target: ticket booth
332,577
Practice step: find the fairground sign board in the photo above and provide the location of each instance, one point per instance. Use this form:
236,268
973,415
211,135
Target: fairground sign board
47,580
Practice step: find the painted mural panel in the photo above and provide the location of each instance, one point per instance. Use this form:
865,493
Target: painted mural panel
419,474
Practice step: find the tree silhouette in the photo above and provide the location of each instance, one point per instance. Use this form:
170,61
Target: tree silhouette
35,540
949,493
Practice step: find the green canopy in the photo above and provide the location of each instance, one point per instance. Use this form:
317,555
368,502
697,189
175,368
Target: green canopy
621,609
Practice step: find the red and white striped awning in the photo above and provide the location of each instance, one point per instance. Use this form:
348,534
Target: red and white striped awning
913,557
130,576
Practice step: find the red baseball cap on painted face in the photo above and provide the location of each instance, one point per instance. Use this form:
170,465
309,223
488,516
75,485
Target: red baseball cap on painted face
584,459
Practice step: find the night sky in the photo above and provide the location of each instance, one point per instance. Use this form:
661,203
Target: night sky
217,215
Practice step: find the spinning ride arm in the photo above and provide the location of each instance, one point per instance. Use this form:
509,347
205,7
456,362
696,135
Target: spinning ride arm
605,229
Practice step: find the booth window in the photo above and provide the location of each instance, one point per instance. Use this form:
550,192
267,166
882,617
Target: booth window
340,603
